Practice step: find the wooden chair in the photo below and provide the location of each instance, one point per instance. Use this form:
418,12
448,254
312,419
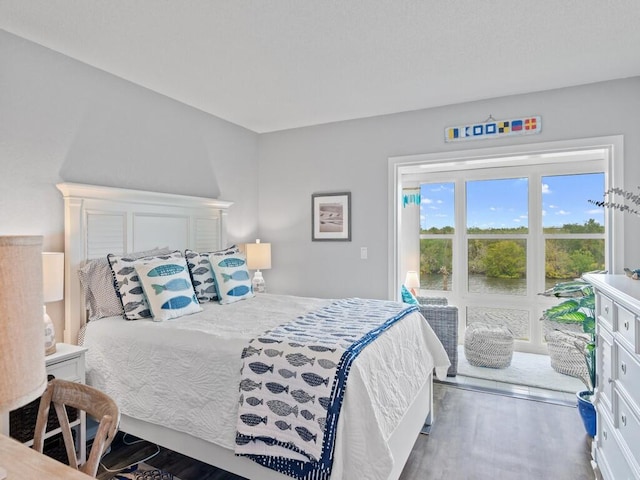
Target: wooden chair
95,403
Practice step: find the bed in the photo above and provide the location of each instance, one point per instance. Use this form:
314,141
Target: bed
177,381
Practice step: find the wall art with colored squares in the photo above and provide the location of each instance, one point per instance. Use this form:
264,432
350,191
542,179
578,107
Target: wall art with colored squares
494,129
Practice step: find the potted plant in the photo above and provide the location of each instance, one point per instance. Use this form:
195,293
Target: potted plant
632,200
579,309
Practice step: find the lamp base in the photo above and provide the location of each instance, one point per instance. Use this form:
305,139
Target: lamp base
258,283
49,336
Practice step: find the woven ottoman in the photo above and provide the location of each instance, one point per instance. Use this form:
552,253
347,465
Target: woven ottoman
565,352
488,345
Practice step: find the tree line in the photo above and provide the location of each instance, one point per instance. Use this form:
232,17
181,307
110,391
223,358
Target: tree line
506,258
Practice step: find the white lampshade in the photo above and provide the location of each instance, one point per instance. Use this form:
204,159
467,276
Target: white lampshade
53,276
258,255
22,364
412,280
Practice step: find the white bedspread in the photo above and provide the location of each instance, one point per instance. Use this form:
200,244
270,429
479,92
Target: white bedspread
184,374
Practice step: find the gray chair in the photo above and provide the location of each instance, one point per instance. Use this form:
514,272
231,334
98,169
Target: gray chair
443,319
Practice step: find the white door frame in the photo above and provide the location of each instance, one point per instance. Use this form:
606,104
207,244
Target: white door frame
398,165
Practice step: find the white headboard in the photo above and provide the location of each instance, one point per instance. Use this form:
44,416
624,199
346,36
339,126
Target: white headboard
102,220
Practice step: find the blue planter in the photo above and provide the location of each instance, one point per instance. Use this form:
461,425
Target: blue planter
587,412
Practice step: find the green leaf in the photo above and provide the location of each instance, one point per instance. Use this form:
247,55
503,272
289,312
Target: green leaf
589,325
562,309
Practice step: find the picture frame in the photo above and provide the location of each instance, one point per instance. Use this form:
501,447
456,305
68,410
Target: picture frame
331,217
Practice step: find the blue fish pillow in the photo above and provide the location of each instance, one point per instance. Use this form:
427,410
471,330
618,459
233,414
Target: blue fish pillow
127,283
168,288
231,277
201,273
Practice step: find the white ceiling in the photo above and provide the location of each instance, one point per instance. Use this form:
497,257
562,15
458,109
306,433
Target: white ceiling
277,64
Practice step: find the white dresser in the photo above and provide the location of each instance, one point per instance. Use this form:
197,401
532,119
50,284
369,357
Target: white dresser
616,449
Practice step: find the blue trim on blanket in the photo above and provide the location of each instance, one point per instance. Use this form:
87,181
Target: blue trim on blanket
321,469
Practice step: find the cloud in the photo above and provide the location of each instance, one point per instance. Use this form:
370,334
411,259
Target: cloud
426,200
553,206
595,211
545,189
563,212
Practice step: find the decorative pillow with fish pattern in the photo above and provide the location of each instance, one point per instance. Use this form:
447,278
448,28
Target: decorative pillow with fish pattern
128,286
101,299
201,273
231,277
167,286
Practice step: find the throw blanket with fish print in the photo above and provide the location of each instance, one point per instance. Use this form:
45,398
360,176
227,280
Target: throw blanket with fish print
293,383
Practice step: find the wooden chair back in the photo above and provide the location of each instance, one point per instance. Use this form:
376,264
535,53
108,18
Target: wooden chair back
62,393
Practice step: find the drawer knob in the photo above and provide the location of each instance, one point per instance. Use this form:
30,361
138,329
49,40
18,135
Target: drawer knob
606,309
623,367
623,419
626,325
604,434
610,380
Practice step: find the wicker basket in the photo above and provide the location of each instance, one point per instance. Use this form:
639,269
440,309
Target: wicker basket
565,353
55,448
488,345
22,421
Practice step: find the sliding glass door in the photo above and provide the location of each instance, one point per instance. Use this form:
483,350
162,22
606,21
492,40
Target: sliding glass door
492,239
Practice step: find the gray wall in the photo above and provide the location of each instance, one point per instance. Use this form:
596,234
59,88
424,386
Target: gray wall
353,156
62,120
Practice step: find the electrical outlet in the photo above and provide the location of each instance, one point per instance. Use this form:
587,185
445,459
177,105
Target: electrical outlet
363,253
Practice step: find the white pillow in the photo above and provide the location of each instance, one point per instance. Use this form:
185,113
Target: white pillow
168,288
231,277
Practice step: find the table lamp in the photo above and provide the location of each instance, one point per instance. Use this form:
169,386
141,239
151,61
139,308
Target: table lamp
53,291
412,281
23,376
258,257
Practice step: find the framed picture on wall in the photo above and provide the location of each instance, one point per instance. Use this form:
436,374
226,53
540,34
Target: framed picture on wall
331,216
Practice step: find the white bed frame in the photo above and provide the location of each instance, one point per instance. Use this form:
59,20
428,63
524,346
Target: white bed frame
102,220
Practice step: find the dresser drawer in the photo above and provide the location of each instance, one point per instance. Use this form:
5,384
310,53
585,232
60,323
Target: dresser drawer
629,427
605,310
604,368
628,372
611,461
626,325
69,370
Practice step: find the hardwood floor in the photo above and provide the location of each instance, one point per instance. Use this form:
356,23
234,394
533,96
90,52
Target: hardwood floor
476,436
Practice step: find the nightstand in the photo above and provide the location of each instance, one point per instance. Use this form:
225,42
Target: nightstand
66,363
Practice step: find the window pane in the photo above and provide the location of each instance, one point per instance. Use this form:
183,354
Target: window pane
437,208
516,320
570,258
565,205
435,264
497,206
498,266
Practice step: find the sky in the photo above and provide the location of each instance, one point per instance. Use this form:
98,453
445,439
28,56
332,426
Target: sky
503,203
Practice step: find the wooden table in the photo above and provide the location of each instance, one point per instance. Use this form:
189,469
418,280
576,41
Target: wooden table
22,462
